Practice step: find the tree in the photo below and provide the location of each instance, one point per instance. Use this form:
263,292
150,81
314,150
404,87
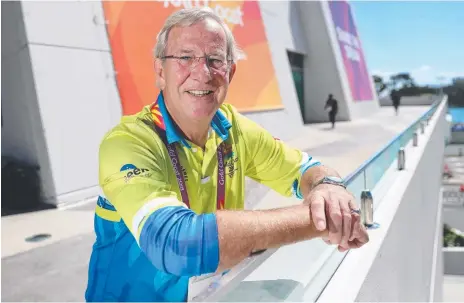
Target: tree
402,78
379,84
455,92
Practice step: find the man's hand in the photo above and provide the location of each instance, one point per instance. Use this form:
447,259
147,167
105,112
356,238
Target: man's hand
331,207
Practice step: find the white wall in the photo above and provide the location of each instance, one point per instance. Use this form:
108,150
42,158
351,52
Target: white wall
22,130
279,21
322,74
403,260
454,217
454,260
427,99
75,88
457,137
324,70
454,149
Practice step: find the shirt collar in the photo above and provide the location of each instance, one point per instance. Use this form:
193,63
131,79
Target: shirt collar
220,124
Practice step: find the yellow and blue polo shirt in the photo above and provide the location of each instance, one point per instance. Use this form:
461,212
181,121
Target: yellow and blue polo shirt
148,242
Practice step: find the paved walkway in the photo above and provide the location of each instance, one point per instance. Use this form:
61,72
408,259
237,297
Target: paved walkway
453,288
56,268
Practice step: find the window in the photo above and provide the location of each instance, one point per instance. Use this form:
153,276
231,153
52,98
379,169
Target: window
297,65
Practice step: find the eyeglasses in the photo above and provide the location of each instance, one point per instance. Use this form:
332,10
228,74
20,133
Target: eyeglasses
191,61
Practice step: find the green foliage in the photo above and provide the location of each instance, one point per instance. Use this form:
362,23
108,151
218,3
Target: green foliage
451,238
405,85
402,78
379,84
455,93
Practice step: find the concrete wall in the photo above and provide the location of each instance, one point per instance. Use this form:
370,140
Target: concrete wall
356,109
403,260
454,150
454,260
306,27
322,74
427,99
457,137
280,20
23,135
69,92
454,217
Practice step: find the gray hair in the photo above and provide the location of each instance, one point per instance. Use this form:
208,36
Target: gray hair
188,17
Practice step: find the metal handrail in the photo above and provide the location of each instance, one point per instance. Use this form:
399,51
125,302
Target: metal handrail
245,267
364,166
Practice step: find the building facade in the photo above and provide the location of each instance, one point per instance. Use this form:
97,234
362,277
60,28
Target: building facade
68,74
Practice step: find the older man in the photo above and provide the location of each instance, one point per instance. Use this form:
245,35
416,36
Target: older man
173,178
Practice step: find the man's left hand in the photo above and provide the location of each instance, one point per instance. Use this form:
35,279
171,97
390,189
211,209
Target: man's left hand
331,207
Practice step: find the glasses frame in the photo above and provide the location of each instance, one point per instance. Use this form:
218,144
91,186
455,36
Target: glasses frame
195,60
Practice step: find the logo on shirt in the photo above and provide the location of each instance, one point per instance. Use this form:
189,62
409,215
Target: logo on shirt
230,160
184,172
133,171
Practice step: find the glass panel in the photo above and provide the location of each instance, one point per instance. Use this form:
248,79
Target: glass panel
356,186
281,276
376,169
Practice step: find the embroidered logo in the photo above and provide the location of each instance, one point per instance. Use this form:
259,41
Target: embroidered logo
230,160
133,171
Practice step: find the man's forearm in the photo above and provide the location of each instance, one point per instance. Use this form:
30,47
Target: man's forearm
242,232
313,175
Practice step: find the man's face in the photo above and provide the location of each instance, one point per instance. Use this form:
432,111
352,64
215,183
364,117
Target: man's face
195,87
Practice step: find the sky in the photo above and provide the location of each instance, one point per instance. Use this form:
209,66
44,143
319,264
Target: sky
424,38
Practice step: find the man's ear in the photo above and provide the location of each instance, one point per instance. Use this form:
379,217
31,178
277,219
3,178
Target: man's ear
232,72
159,71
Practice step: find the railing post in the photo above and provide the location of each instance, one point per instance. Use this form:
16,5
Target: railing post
414,139
401,159
367,208
422,126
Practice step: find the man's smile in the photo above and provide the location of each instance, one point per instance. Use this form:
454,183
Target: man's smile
199,93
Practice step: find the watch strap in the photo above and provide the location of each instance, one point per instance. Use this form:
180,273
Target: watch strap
331,180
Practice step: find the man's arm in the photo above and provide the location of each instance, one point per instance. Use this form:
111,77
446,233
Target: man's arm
289,171
331,209
174,238
313,175
243,232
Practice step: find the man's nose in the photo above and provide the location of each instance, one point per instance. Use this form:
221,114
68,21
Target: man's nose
201,70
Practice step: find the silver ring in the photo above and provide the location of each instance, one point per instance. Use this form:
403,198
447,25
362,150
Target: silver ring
357,211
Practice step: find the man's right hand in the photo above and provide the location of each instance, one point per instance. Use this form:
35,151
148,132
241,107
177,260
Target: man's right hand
358,235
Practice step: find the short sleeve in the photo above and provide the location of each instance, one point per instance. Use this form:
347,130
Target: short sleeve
272,162
134,178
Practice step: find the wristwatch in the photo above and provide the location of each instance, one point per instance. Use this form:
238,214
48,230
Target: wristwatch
331,180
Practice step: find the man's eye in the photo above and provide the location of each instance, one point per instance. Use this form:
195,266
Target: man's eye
216,62
185,58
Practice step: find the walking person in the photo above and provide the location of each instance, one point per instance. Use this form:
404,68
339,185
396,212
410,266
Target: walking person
395,97
332,107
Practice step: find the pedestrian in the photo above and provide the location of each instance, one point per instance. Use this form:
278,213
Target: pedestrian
395,97
332,107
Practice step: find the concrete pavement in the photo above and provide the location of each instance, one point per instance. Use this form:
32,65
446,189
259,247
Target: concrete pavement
453,288
56,268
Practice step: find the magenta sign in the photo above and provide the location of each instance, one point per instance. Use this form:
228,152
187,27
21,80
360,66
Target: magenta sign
352,54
